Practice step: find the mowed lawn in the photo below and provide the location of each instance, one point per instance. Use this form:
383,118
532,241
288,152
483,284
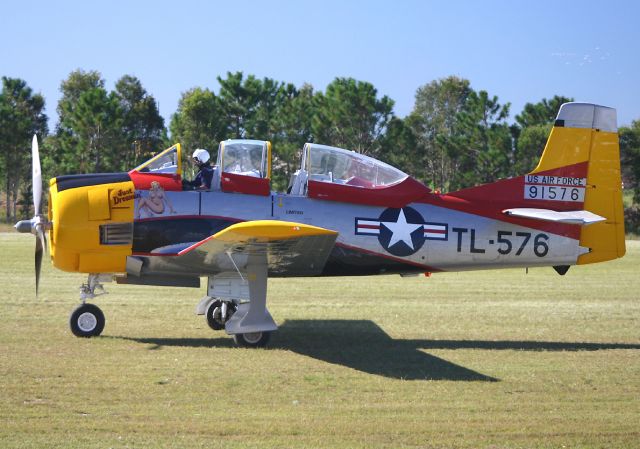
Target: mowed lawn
494,359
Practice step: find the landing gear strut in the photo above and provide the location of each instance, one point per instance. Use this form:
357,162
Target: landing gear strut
219,312
236,302
87,320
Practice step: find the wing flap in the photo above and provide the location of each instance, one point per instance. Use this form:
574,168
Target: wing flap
292,249
579,217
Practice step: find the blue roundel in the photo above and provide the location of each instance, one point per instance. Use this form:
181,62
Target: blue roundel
401,231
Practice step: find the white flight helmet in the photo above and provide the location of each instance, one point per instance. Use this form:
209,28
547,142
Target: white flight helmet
201,155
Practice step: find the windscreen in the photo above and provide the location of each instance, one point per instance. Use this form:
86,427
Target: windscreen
165,162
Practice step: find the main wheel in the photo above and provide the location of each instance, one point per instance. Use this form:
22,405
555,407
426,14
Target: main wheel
87,320
214,315
252,339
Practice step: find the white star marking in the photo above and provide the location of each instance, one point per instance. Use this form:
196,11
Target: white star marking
401,230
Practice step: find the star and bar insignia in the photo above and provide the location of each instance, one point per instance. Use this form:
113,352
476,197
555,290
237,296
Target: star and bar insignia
401,232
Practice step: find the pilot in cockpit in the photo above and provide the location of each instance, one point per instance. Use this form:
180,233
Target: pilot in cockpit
202,181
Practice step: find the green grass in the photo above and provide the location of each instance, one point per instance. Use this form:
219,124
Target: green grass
495,359
6,227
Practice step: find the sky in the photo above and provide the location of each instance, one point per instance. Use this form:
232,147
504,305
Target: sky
519,51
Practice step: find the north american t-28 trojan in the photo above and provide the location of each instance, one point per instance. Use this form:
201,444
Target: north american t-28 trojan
344,214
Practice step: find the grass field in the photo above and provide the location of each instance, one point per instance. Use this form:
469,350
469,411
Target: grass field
496,359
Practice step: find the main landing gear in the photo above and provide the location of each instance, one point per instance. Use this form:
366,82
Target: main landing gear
237,302
87,320
218,312
252,339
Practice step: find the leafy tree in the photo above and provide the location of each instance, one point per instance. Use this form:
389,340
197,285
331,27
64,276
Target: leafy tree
238,99
253,106
142,124
630,158
97,125
103,131
528,147
199,121
270,97
21,116
398,146
481,141
350,115
82,93
434,120
531,131
541,113
630,164
75,85
293,124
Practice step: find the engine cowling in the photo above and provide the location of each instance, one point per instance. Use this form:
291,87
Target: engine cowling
92,222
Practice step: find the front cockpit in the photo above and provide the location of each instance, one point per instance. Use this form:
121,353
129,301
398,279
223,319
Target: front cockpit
167,162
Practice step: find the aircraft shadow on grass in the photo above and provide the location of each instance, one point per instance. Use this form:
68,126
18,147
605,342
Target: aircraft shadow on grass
362,345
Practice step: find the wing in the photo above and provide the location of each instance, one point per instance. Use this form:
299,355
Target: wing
291,249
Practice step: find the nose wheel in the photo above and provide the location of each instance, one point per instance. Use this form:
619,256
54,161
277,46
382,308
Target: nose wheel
87,320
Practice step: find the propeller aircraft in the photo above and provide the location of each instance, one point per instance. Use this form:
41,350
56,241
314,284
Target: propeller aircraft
343,214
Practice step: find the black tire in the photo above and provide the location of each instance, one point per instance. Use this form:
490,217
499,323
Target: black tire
214,314
87,320
252,339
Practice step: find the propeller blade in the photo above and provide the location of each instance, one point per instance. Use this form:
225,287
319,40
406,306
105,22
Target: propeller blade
42,235
39,248
36,175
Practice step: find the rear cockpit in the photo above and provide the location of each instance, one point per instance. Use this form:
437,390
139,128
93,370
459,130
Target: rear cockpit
322,163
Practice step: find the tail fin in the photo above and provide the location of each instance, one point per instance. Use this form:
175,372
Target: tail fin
585,136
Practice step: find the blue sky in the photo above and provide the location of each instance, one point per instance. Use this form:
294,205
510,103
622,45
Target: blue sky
520,51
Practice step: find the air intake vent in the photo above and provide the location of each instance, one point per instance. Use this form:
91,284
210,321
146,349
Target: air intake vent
116,234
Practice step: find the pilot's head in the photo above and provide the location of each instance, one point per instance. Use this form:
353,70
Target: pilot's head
200,157
256,157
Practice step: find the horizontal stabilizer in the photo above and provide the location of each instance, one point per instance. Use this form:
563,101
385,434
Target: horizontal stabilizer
579,217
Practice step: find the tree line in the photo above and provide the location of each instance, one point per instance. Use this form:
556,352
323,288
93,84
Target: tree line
455,136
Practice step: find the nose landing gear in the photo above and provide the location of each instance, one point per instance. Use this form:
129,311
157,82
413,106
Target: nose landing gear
87,320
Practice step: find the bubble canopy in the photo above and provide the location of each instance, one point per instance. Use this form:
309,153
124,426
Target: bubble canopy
338,166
